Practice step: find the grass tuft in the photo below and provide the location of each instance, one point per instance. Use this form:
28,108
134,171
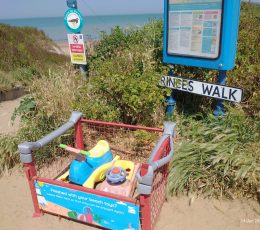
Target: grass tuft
217,157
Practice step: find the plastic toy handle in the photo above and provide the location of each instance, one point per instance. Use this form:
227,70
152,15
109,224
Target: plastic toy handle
74,150
85,152
63,146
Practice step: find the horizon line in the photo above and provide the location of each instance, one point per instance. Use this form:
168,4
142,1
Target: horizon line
83,16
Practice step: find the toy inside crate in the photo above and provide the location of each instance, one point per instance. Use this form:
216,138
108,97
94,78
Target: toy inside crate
99,206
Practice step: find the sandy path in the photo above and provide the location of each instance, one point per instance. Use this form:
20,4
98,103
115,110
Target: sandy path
16,212
6,110
16,205
206,214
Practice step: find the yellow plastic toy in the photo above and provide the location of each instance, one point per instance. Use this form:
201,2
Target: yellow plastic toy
99,150
64,177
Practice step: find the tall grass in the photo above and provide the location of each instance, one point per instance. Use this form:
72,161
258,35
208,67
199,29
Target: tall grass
56,93
8,152
7,81
217,157
26,54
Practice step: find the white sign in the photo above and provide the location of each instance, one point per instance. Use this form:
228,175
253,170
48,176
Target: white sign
203,88
194,28
77,49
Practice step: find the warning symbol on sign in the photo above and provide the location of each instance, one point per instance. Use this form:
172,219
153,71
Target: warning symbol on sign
75,39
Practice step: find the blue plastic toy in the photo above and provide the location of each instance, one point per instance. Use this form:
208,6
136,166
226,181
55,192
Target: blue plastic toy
87,162
81,170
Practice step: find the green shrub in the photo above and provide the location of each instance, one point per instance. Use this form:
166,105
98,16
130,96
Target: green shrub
124,75
119,39
129,87
25,74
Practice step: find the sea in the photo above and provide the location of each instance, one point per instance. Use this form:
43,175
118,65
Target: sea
93,25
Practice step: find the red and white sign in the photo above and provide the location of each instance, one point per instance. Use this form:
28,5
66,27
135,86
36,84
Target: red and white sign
77,49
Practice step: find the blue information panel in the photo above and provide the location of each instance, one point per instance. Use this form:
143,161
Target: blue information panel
201,33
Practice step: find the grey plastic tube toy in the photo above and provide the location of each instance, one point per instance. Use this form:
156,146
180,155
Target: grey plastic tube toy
26,148
145,182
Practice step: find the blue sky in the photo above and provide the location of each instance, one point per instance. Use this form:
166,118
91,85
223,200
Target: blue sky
47,8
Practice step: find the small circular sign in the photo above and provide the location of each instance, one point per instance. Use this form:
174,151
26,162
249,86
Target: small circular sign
73,20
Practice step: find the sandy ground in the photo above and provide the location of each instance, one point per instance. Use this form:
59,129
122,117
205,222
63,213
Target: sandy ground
63,48
6,110
16,212
16,205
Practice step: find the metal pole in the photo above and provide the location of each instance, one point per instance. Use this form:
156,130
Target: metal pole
219,110
83,68
171,102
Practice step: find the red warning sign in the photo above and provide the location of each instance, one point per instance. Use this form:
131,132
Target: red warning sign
76,48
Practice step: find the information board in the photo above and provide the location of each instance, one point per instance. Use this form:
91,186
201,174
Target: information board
194,27
77,49
201,33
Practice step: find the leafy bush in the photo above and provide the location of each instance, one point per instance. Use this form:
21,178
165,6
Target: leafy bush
129,87
26,74
119,39
124,75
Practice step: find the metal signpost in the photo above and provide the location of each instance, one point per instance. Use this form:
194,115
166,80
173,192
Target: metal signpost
202,33
74,23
